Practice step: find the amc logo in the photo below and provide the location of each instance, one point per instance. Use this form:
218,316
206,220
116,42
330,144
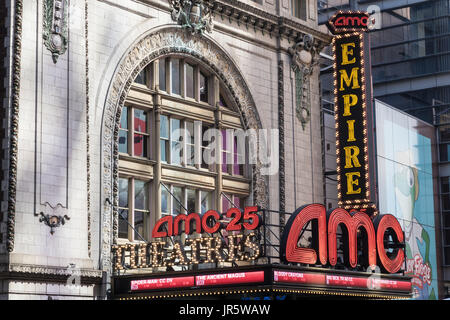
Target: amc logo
378,238
348,21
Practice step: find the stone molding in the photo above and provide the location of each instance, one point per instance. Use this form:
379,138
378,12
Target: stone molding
151,46
265,22
256,18
87,119
14,124
47,273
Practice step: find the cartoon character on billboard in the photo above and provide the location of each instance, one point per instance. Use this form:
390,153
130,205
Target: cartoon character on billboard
418,264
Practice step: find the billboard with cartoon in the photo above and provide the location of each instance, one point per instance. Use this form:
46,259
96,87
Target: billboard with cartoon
405,189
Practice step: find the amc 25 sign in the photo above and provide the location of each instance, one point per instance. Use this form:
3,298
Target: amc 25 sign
192,239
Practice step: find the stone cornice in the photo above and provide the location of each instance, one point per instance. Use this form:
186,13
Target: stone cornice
265,21
256,18
15,271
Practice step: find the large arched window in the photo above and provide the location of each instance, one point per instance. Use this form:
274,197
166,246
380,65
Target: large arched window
163,140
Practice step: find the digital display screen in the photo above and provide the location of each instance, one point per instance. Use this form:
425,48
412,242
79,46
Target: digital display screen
372,282
162,283
229,278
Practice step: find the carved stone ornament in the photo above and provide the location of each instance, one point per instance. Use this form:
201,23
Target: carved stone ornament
55,27
194,15
52,221
152,46
14,123
303,56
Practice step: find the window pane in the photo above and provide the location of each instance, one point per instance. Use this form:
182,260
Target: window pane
162,74
190,193
238,160
299,9
142,77
445,151
190,142
140,145
226,203
190,81
238,202
123,132
205,150
175,146
140,121
123,141
222,102
124,118
203,88
224,162
225,152
190,135
206,197
165,201
178,194
175,126
123,225
445,184
175,76
141,195
175,152
164,150
139,226
445,201
164,127
447,254
123,193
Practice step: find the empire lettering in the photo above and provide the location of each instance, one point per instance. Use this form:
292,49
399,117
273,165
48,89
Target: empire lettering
350,109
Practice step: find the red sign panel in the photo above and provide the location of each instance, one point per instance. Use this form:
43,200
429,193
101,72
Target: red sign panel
298,277
348,21
162,283
340,281
229,278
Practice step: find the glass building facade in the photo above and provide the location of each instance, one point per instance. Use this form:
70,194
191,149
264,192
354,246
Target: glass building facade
410,58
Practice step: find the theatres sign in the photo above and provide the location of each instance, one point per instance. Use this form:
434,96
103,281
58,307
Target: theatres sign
230,237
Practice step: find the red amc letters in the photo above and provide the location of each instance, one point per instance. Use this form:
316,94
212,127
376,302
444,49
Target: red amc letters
325,252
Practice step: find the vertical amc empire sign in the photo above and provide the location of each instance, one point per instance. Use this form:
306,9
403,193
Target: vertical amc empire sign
352,110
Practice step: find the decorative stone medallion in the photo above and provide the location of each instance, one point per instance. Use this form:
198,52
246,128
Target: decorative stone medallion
55,27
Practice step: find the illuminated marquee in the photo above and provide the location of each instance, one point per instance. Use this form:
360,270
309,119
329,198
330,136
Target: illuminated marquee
352,106
176,245
325,230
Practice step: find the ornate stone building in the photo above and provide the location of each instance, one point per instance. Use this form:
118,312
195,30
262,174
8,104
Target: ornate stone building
93,92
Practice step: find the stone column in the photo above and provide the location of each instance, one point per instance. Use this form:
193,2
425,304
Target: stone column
218,116
157,147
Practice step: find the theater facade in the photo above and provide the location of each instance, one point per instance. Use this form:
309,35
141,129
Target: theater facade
173,149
